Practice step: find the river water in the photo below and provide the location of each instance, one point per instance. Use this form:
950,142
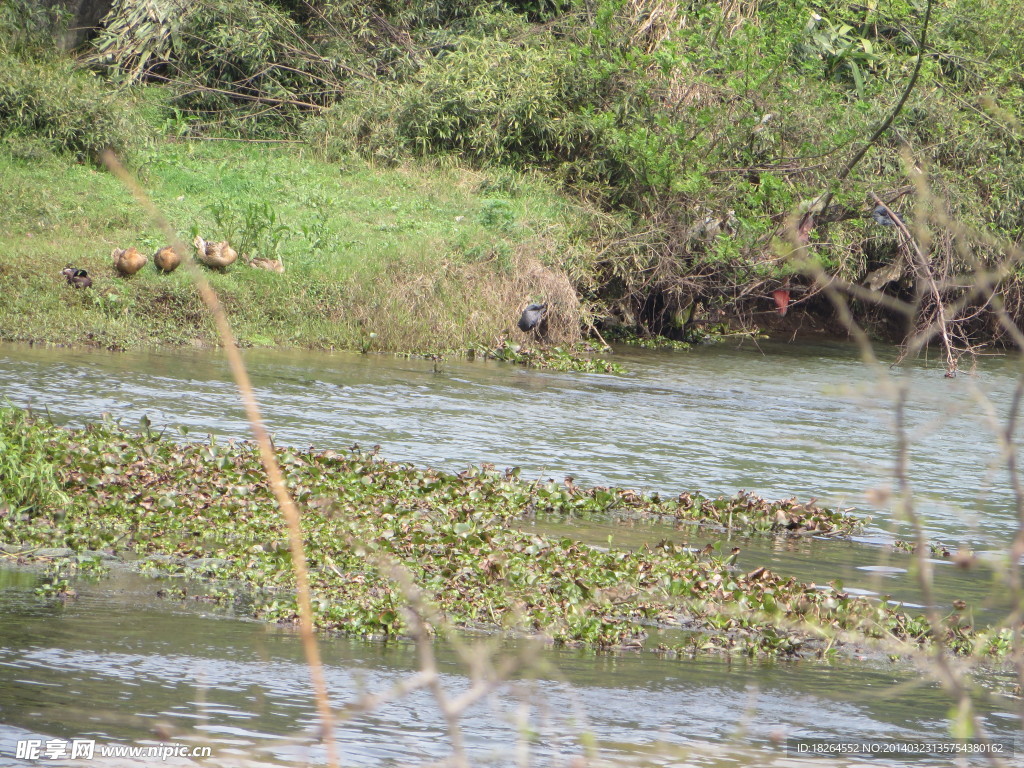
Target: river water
799,420
806,420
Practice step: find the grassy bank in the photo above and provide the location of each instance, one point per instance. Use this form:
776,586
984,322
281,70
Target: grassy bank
411,258
735,154
463,540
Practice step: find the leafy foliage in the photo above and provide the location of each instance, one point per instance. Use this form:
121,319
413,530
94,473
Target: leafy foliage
205,510
27,27
239,58
552,358
51,102
253,229
139,34
28,477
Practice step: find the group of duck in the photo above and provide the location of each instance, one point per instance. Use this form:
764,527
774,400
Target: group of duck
128,261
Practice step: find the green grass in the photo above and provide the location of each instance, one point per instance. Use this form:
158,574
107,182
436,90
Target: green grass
417,257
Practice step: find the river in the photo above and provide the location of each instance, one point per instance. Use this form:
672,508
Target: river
804,419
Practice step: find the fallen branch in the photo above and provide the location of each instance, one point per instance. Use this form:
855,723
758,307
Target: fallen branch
196,88
246,141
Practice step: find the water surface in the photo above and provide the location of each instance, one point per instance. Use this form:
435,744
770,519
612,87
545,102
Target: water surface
802,419
118,662
781,420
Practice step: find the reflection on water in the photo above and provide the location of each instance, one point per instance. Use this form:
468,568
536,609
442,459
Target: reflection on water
117,662
798,419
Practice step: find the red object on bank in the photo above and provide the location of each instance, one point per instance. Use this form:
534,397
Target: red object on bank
781,296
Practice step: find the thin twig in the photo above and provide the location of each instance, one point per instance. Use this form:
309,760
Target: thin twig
273,469
196,88
884,126
929,276
246,141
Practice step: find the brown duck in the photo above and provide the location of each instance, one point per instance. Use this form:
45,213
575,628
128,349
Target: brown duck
167,259
77,277
128,261
271,265
215,255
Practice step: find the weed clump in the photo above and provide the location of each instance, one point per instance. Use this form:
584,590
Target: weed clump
28,477
457,536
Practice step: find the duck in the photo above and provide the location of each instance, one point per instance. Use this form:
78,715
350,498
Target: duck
128,261
534,317
215,255
167,259
271,265
79,278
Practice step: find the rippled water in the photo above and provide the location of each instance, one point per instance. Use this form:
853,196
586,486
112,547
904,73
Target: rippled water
781,420
118,661
803,419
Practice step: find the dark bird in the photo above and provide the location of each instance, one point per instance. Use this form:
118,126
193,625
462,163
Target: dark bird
881,216
77,277
533,318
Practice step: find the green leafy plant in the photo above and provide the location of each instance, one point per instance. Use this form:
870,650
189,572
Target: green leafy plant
51,100
28,482
550,358
253,228
55,587
841,49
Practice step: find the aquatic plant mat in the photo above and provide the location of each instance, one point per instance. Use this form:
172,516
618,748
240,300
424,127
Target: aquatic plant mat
378,533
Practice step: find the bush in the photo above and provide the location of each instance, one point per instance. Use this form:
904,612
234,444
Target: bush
229,60
27,25
495,102
491,100
52,102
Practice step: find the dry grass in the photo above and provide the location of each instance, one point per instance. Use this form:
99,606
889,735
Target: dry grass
449,304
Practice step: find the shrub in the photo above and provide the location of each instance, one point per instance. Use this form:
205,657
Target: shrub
27,25
239,58
495,102
53,102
